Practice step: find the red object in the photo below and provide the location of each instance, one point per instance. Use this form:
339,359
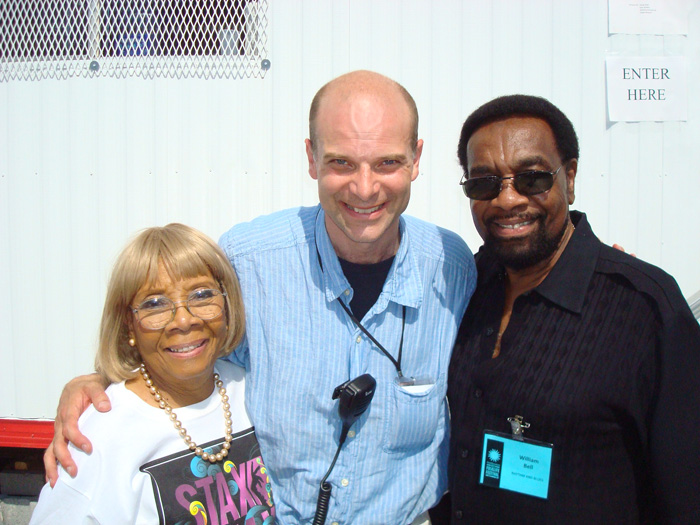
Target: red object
25,433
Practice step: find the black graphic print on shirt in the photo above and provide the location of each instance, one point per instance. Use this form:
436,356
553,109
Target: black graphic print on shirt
235,491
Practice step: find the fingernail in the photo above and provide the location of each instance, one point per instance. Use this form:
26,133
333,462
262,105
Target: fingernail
85,448
71,471
103,405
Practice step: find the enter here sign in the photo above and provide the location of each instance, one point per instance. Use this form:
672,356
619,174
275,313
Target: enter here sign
647,88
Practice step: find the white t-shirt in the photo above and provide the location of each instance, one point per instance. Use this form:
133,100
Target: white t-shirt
140,470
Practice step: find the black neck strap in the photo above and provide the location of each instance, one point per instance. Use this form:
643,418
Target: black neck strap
397,363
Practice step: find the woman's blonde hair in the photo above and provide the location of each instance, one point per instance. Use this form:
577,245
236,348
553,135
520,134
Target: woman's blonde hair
185,253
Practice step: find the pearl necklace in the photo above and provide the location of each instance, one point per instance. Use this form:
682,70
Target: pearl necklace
162,403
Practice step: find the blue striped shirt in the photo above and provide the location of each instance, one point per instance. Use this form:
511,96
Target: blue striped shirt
301,344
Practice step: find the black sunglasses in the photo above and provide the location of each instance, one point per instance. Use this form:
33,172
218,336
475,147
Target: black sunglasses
525,183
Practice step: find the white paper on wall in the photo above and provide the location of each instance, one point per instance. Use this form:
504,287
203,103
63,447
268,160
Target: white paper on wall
651,17
647,88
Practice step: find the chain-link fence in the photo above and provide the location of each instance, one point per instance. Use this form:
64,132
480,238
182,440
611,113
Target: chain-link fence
124,38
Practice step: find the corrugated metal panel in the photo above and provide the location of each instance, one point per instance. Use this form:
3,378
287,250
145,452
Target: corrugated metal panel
84,163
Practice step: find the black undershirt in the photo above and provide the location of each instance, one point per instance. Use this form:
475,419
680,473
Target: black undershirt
367,281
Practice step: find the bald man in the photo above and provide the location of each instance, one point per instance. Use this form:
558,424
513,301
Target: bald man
347,287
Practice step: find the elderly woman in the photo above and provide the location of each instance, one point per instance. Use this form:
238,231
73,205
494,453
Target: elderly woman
177,446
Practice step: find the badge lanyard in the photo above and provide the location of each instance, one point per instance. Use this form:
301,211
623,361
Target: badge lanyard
397,363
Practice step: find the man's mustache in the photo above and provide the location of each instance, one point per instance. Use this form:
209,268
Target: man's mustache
519,216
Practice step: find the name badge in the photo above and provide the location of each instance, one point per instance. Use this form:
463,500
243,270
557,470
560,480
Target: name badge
516,464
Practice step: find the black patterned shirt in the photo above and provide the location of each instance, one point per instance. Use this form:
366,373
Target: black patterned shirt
603,360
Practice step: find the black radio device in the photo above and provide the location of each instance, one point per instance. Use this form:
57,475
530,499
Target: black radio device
354,396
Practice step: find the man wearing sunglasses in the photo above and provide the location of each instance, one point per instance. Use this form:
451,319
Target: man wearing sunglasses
573,383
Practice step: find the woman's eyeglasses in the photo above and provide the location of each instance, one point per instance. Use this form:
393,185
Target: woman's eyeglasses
525,183
156,312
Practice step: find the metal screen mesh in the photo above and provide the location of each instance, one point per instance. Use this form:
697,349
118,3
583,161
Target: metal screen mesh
120,38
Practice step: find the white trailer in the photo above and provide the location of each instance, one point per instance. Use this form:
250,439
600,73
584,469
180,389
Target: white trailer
88,158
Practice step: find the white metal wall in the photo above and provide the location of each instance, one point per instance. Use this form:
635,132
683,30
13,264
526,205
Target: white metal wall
85,163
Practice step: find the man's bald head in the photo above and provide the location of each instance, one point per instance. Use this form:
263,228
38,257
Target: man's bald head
361,83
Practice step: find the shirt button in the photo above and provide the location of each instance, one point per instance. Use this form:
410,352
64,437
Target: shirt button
359,339
464,452
346,292
489,331
478,393
344,482
458,514
351,434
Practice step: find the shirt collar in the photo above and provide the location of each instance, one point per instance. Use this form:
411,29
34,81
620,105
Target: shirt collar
567,283
403,284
